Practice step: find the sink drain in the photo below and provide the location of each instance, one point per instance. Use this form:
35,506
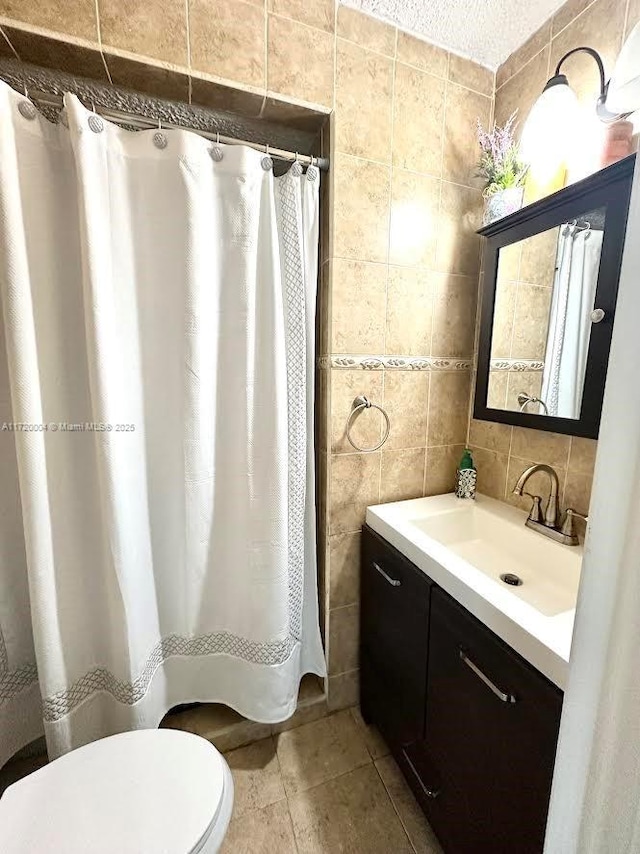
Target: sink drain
510,578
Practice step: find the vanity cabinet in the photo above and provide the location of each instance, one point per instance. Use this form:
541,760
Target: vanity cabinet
476,738
394,619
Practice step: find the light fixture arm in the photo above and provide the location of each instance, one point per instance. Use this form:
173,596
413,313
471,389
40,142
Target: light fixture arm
598,59
603,113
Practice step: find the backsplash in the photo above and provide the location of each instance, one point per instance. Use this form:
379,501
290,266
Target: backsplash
501,453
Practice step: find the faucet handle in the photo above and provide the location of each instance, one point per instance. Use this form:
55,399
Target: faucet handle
535,514
568,526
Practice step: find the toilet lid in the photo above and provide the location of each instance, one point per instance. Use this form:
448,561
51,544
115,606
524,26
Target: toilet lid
148,791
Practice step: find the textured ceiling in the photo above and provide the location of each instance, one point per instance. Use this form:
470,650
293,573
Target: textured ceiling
486,31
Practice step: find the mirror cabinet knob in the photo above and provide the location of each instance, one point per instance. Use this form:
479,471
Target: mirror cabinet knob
597,315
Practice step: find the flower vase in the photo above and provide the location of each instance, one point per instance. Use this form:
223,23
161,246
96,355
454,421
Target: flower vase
502,203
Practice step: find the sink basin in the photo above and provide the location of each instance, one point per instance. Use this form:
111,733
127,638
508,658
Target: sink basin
491,542
466,546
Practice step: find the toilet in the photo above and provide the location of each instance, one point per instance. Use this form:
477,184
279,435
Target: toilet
153,791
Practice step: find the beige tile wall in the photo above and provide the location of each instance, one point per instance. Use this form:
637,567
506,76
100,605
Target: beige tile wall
404,259
502,452
257,52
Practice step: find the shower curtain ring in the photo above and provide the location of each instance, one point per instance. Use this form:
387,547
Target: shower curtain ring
267,162
297,169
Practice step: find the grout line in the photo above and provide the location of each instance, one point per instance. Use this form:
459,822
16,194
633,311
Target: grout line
390,205
387,264
381,53
266,55
566,473
572,21
408,448
522,67
98,28
506,477
334,89
188,26
393,803
515,307
8,41
291,20
548,72
435,255
341,608
293,829
433,175
428,415
99,34
106,67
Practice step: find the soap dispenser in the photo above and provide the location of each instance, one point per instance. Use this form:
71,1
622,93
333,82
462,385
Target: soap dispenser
466,476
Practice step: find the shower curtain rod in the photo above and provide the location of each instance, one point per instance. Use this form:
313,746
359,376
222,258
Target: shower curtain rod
51,100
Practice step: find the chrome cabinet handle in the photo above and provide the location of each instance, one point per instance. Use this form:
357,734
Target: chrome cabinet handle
430,793
505,698
392,581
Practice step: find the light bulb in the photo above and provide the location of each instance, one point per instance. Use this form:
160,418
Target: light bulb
548,138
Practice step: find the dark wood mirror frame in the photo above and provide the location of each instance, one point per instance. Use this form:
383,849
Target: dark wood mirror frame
609,188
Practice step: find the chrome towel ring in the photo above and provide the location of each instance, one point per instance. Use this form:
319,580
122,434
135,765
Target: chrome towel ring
361,402
525,399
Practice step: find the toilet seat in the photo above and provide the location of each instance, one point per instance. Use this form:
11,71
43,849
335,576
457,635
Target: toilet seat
143,792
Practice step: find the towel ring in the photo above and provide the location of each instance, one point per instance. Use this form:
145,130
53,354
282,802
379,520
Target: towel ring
362,402
524,400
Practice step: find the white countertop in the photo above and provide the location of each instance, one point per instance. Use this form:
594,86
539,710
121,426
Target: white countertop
543,639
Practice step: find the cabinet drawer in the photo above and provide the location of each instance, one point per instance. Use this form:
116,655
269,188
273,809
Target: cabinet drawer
394,639
491,731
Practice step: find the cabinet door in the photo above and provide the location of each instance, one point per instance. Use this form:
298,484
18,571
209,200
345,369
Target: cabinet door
491,732
394,639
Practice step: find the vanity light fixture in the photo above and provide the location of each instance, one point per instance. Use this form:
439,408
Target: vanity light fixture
620,96
549,133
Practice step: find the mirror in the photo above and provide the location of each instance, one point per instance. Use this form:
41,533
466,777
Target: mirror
550,283
545,295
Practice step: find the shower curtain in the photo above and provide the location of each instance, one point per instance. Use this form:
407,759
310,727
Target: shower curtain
574,289
157,534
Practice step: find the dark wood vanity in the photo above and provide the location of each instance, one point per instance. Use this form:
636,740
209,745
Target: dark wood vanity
471,723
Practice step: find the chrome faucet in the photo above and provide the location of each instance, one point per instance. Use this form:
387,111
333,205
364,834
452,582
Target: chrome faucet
548,523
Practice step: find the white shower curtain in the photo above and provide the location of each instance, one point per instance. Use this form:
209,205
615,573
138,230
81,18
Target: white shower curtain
574,290
160,301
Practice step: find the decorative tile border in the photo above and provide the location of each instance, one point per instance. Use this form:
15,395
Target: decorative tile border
375,362
516,365
396,363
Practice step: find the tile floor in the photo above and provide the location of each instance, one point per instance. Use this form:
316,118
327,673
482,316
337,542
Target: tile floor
227,729
325,787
